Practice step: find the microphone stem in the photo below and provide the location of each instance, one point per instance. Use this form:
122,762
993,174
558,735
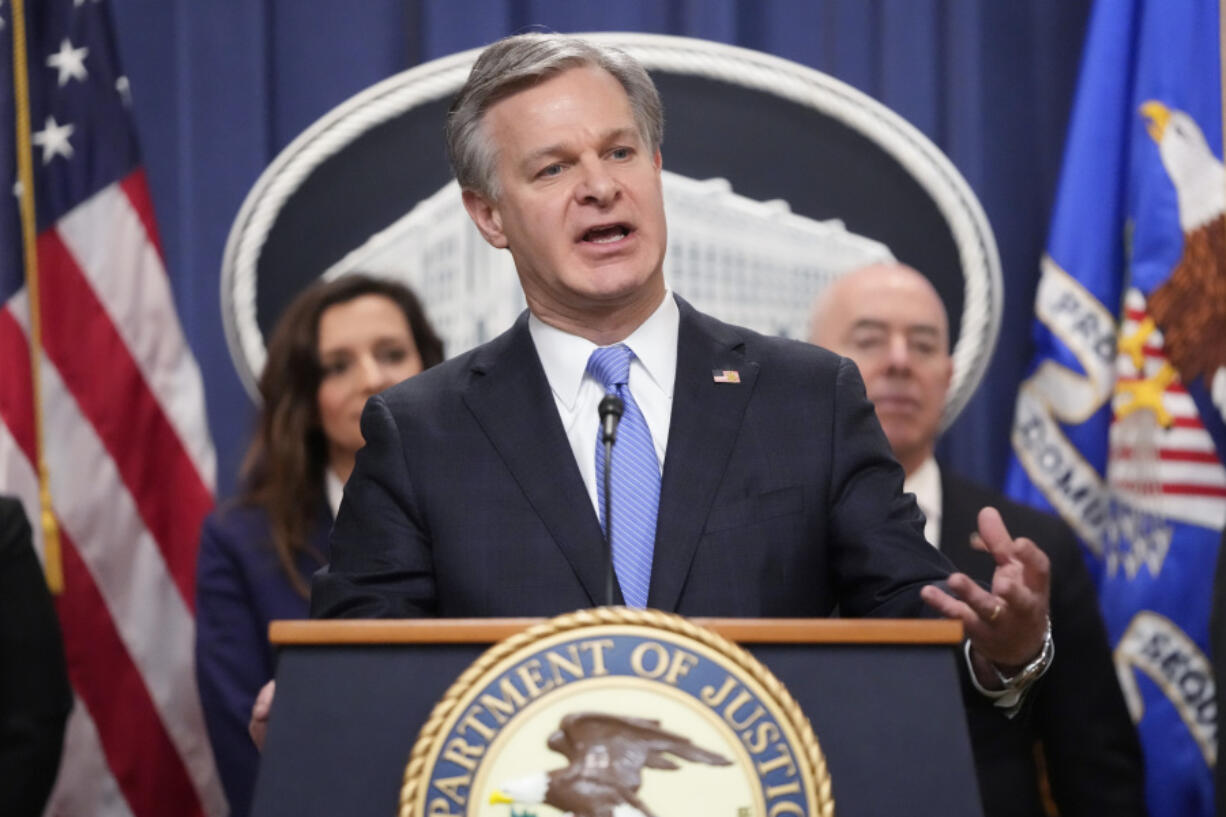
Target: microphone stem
608,519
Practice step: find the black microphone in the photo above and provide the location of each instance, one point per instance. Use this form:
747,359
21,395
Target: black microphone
610,409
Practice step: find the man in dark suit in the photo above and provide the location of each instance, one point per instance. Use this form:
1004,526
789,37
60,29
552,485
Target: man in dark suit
770,489
35,698
890,320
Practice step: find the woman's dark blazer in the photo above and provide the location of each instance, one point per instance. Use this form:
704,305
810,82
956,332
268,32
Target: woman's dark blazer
240,588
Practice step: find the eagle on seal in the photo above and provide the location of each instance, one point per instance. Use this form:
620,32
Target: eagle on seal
1190,306
607,754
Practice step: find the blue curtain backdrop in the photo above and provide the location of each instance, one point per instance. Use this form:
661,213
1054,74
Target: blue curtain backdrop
219,88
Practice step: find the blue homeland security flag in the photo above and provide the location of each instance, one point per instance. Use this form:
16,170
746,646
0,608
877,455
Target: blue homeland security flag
1119,426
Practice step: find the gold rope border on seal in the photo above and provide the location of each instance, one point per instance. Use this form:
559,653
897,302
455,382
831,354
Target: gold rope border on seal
740,657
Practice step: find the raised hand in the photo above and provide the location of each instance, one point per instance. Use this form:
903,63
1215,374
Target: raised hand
1007,625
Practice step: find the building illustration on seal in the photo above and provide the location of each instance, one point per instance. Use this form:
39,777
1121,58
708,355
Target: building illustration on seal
755,264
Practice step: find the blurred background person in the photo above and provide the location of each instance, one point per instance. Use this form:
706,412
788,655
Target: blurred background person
337,343
891,321
35,697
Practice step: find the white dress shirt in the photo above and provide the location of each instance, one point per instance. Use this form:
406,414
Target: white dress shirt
925,483
577,393
334,489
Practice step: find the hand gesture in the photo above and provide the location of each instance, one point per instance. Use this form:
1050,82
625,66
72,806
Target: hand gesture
1007,625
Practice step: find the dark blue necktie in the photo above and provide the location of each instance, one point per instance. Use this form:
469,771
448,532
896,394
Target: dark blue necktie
636,479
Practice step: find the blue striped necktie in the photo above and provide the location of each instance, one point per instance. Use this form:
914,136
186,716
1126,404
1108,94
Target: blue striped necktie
636,479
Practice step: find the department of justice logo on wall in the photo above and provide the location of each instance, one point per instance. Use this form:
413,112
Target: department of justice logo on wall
616,713
751,242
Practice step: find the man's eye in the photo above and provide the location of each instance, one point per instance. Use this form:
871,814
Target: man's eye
866,342
621,153
550,170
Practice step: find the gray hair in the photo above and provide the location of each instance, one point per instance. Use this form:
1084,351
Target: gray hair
521,61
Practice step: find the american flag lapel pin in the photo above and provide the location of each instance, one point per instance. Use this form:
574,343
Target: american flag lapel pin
725,375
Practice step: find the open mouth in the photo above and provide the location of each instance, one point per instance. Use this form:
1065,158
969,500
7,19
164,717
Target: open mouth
606,234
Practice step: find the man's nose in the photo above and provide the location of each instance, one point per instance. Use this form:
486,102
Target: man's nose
899,352
596,184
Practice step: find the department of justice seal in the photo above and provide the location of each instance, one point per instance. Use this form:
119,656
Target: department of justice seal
616,712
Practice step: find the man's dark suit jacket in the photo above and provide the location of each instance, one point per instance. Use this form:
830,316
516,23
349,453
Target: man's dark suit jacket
35,697
1078,714
779,495
241,588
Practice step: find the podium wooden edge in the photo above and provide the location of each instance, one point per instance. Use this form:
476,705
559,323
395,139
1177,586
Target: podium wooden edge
741,630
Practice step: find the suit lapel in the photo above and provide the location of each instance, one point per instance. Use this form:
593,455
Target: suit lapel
706,419
510,398
960,504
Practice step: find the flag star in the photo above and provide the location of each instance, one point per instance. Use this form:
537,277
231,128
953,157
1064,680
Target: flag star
53,139
70,62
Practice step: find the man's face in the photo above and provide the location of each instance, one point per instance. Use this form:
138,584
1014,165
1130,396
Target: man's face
891,322
580,205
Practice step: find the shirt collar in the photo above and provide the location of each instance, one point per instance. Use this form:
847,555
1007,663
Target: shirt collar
925,483
334,489
564,356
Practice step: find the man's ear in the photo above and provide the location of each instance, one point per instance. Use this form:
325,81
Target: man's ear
485,214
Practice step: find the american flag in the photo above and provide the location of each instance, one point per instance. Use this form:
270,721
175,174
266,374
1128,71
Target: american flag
128,460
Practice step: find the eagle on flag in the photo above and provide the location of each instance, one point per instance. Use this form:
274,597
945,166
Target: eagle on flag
1190,306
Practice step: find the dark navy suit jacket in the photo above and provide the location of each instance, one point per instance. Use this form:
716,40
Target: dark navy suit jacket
35,698
779,496
1077,714
240,588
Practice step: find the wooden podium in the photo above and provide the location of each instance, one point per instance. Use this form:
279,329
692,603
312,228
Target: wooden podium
883,697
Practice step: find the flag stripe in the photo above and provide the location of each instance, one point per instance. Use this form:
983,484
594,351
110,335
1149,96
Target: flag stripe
16,408
100,374
85,784
17,476
1173,488
1171,454
109,238
136,187
141,755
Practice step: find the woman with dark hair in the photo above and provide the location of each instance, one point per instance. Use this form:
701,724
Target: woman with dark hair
336,344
